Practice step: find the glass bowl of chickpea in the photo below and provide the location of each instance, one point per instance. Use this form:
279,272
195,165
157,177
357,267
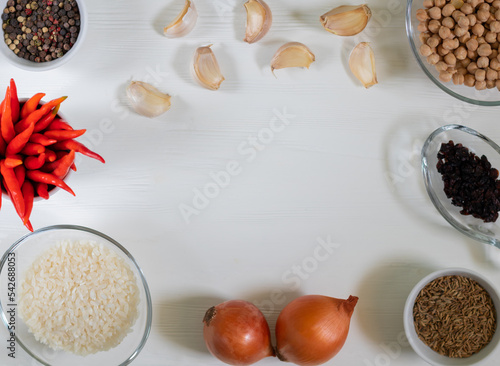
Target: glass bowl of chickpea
457,45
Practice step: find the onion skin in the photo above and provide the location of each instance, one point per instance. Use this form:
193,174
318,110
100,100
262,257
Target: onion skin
237,333
312,329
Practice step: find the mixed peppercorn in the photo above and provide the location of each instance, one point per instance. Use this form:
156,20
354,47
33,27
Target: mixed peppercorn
37,150
41,30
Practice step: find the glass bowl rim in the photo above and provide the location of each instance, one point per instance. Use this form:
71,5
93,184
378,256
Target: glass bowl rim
439,84
149,306
432,194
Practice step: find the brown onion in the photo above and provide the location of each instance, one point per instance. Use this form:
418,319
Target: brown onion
237,333
312,329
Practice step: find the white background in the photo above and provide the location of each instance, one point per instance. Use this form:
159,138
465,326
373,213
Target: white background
345,168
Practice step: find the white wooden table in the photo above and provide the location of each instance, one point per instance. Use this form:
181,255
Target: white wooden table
314,158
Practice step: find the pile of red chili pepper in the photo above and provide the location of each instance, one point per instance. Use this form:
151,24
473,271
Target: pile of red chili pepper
37,150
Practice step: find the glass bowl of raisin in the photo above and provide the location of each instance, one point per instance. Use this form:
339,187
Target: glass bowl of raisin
460,172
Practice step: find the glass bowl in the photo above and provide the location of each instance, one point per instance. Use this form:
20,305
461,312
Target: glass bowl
22,254
477,143
48,65
425,352
488,97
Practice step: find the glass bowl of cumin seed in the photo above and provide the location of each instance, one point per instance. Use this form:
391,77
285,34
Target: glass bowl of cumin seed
41,35
450,318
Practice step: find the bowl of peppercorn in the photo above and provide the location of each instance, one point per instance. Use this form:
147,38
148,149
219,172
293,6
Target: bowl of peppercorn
40,35
460,172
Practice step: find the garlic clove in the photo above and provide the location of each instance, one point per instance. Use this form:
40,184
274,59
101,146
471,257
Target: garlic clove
259,20
362,64
147,100
205,68
346,20
292,54
183,23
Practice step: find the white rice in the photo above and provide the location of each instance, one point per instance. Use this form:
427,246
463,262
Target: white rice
80,297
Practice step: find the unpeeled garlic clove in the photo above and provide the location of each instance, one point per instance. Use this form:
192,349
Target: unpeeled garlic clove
362,64
205,68
183,23
346,20
259,20
147,100
292,54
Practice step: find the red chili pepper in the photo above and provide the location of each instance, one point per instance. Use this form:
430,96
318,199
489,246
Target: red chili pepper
13,188
59,124
14,101
6,124
31,105
64,164
28,194
73,167
38,138
34,162
78,147
18,142
38,176
46,112
50,155
20,172
42,190
13,161
60,135
32,149
46,120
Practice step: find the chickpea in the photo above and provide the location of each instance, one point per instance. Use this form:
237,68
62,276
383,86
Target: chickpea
425,50
422,27
490,84
472,44
472,67
497,84
484,6
433,59
457,14
435,13
442,51
463,22
422,15
433,41
441,66
458,79
428,3
469,80
496,4
460,53
464,38
491,74
472,19
490,37
450,44
434,26
480,75
440,3
462,71
484,49
466,62
478,29
495,26
472,55
445,76
494,53
495,46
481,40
466,8
448,22
423,37
483,15
480,85
447,10
450,59
444,32
460,31
495,64
497,14
483,62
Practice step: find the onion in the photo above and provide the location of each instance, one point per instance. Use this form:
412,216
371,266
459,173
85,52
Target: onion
237,333
312,329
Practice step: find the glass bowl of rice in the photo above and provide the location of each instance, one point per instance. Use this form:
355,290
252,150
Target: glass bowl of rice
71,295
